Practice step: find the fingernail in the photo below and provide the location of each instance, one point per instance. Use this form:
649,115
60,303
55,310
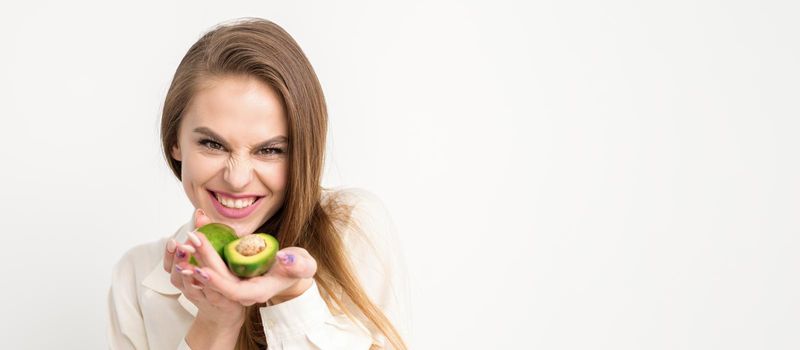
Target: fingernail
178,268
186,272
201,273
195,240
187,248
181,254
171,245
286,258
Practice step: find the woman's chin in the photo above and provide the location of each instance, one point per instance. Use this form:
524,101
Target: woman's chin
242,228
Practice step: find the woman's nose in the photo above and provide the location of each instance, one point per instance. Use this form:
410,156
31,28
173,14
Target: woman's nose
238,172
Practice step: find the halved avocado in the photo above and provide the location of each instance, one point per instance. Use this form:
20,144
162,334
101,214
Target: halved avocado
218,235
251,255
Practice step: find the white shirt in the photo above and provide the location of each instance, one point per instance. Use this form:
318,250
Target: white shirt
147,312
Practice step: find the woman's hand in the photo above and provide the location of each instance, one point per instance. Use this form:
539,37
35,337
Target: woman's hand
213,308
289,276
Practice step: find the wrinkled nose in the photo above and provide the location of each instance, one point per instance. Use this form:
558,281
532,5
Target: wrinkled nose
238,172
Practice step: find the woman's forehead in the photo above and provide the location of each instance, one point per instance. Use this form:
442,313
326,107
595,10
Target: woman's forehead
237,107
239,96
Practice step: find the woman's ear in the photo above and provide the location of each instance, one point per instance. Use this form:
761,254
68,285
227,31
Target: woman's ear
176,153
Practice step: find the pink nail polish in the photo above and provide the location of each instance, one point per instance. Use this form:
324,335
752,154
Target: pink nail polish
171,246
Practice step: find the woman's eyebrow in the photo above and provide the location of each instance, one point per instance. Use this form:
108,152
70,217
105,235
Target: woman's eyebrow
206,131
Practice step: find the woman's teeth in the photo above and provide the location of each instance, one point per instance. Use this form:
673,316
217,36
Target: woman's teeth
235,203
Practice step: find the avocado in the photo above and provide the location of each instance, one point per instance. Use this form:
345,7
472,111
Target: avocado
218,235
251,255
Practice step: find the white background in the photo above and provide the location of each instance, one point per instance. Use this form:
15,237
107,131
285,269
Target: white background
564,174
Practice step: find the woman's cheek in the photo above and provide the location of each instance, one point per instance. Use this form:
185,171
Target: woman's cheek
274,175
196,171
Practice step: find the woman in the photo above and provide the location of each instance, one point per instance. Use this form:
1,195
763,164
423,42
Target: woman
243,128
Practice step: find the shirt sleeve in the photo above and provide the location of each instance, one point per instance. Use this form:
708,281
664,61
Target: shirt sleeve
305,322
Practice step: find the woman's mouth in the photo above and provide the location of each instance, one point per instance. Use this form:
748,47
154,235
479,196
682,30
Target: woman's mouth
234,208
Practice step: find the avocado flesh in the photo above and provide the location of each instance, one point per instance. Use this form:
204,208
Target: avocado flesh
218,235
253,265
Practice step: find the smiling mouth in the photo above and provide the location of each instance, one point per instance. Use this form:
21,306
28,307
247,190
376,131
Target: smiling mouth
235,203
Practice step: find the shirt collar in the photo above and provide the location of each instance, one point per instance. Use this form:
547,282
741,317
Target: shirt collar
159,280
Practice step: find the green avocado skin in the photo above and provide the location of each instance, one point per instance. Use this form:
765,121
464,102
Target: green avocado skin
251,266
218,235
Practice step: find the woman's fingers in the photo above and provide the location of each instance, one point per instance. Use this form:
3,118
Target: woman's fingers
292,265
175,277
205,253
246,292
191,290
169,254
219,282
295,268
294,262
200,219
262,288
181,258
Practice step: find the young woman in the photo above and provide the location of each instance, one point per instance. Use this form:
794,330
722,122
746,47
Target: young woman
243,128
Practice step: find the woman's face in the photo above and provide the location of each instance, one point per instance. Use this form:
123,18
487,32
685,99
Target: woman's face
233,144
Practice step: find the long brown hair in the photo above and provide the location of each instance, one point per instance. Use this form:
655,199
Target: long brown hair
262,49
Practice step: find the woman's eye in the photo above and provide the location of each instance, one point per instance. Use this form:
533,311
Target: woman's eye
211,144
271,151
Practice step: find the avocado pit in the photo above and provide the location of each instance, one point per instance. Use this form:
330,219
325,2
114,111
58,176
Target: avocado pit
250,245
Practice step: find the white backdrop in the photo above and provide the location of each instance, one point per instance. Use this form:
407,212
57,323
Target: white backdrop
564,174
